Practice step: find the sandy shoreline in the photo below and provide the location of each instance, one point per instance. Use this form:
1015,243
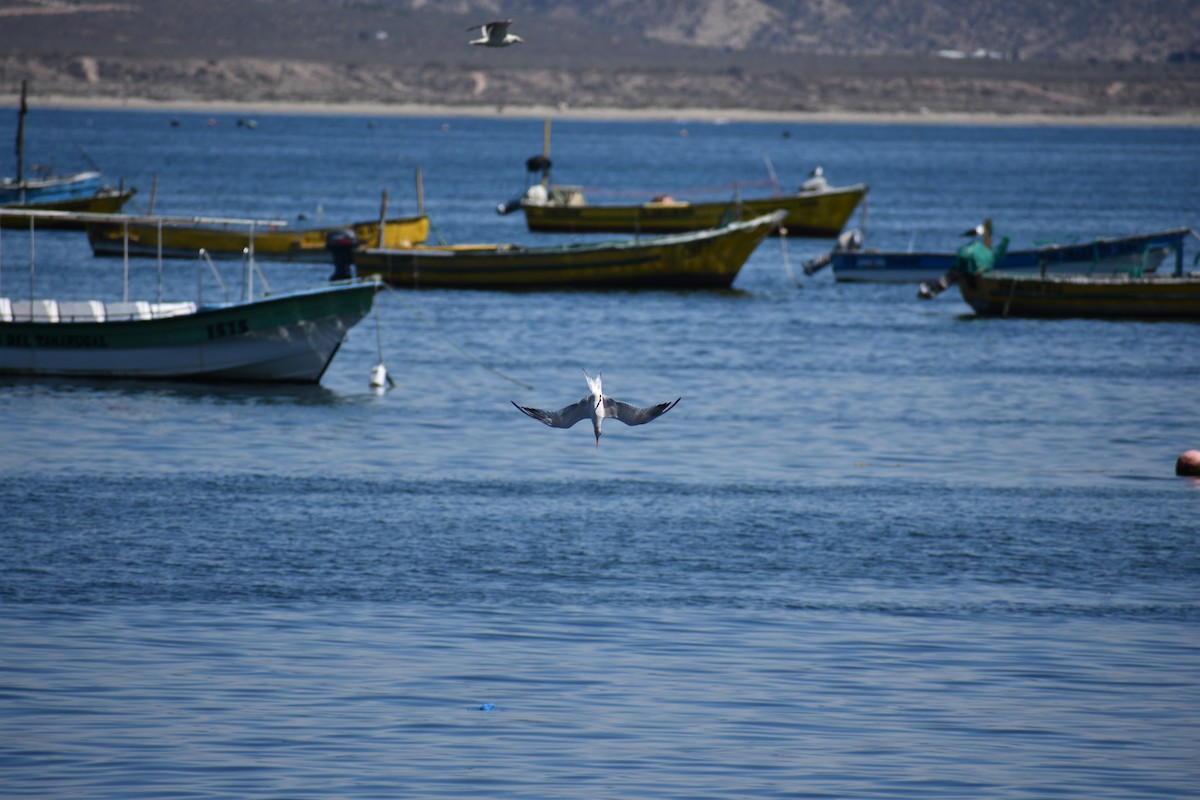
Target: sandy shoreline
641,114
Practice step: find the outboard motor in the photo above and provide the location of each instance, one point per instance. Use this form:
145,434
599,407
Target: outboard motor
535,195
509,206
850,241
538,163
341,245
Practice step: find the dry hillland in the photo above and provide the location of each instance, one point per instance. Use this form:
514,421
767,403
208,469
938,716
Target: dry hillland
406,54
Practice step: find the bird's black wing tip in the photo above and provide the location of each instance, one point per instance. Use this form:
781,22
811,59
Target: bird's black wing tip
538,414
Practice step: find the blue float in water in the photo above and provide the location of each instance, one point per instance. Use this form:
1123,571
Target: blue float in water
487,706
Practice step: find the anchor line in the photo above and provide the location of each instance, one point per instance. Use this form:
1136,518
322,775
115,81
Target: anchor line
429,323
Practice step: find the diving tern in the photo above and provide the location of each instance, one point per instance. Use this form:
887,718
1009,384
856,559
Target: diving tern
596,407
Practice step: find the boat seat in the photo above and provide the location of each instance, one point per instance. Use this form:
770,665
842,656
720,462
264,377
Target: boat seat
158,310
80,311
135,309
5,309
35,310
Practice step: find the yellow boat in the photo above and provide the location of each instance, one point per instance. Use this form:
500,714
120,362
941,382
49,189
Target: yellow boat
274,241
104,201
818,213
697,259
816,209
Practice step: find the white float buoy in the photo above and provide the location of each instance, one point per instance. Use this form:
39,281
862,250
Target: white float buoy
379,376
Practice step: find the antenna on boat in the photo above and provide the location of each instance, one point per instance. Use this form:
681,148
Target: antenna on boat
91,161
153,194
771,172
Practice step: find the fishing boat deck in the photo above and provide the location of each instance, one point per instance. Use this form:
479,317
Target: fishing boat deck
72,311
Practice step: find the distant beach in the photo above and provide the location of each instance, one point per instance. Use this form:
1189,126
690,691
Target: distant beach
639,114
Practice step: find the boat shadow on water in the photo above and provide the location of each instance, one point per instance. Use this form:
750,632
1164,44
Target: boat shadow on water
207,393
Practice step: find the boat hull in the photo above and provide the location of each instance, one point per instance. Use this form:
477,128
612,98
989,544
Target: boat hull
812,214
1110,297
106,201
275,244
287,338
55,189
705,259
1121,255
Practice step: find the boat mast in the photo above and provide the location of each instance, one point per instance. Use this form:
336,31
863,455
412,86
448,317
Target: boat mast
32,267
420,194
24,109
383,205
546,154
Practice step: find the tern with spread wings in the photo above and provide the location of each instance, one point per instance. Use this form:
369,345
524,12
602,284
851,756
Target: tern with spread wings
596,407
495,34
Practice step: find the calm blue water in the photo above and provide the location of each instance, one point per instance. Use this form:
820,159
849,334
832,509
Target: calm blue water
881,549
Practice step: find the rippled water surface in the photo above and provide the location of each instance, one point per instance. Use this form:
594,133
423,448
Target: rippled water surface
880,549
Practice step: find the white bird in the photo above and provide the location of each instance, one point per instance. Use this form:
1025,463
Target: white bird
596,406
495,34
816,181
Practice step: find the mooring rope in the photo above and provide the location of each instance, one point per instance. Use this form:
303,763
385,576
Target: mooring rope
787,262
425,318
379,348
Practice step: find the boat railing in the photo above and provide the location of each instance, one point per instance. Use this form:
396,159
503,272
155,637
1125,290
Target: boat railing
203,257
125,220
251,269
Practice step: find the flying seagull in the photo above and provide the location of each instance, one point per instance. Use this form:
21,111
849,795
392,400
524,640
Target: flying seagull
495,34
596,406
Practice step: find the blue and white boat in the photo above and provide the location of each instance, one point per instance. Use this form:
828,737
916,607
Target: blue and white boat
1138,254
79,192
49,189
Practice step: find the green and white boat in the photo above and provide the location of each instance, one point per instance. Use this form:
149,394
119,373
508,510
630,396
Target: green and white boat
289,337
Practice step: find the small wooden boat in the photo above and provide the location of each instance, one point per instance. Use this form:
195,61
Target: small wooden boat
289,337
105,201
1141,253
815,210
78,192
273,240
699,259
1111,297
820,213
47,189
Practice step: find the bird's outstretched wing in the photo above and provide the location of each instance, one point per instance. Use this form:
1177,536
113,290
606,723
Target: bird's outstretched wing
635,415
487,26
496,31
564,417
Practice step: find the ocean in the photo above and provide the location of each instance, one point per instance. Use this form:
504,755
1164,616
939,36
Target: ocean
882,548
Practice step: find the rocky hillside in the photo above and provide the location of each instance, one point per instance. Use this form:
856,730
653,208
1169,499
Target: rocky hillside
1068,57
1073,30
